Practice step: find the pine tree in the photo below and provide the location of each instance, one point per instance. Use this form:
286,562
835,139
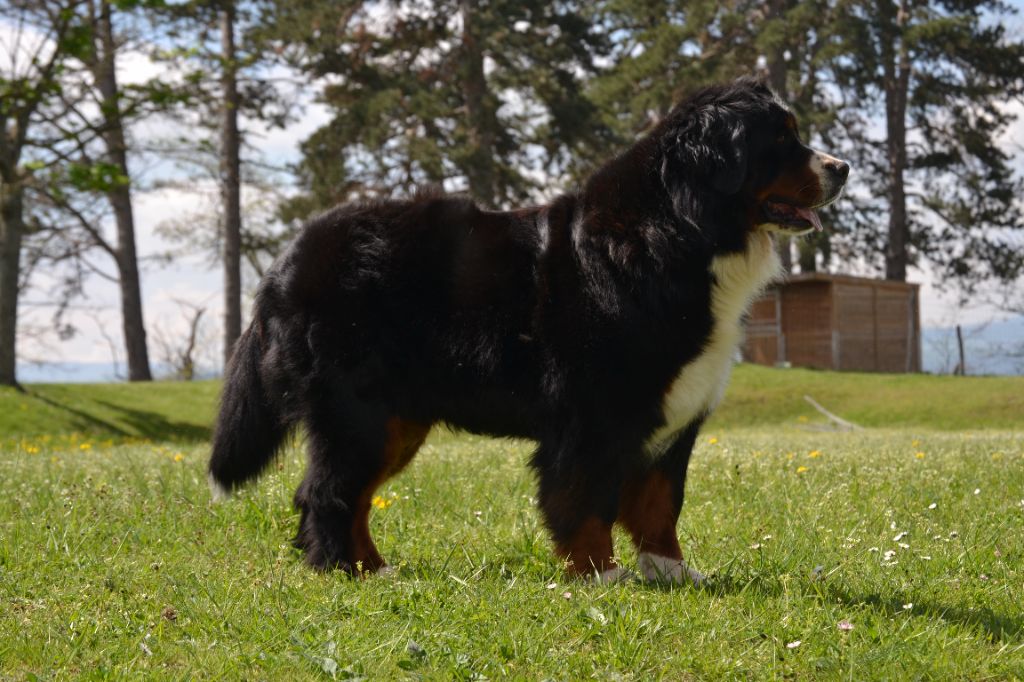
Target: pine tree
476,96
939,75
661,50
225,62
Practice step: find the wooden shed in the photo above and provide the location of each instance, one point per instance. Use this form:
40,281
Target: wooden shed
837,322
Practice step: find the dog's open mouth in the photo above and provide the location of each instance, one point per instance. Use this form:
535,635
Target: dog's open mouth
795,218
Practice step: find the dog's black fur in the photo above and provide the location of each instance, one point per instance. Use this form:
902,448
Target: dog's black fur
565,323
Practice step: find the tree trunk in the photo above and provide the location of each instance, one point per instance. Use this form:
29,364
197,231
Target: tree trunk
480,112
11,228
121,201
230,184
896,67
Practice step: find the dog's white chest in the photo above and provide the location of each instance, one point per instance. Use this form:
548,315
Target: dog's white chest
700,384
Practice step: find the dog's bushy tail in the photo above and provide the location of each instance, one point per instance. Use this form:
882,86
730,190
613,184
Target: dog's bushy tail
250,426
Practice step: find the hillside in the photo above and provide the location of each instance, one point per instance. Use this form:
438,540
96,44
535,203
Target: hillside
757,396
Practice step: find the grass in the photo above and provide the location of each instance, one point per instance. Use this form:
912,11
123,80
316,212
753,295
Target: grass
165,411
757,396
762,396
114,563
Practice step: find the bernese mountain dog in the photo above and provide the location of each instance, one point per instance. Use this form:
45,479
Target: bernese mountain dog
602,325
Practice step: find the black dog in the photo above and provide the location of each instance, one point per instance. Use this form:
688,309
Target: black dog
602,325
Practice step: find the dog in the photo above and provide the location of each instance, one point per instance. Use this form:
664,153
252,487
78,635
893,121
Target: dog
602,325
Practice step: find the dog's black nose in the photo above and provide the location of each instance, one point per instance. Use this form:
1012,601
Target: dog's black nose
841,170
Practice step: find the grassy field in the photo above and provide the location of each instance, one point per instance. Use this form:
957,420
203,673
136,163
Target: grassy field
895,552
757,396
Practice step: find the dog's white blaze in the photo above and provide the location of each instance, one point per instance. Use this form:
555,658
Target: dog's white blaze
699,386
820,170
218,492
658,568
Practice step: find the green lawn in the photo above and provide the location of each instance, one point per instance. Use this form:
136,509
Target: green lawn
757,396
114,563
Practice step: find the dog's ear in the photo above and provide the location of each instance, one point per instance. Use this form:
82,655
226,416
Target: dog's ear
707,149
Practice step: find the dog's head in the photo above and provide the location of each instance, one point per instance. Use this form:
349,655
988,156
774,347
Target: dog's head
736,149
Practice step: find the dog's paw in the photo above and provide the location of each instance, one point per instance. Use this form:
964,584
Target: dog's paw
218,493
387,571
662,569
612,575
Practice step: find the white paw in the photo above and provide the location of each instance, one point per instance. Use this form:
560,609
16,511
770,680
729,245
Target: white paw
387,571
218,492
662,569
613,575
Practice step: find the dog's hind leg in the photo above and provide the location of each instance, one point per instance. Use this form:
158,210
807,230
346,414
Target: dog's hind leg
352,452
649,509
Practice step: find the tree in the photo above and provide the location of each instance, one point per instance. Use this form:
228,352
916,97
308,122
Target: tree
180,352
199,231
660,50
796,38
940,73
102,64
480,97
226,77
45,35
230,145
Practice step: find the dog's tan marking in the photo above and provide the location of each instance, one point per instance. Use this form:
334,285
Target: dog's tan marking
403,438
589,549
648,510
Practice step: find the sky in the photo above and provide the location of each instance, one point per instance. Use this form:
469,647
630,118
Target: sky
197,281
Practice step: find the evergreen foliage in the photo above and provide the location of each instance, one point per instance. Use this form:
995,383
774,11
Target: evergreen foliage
485,97
940,76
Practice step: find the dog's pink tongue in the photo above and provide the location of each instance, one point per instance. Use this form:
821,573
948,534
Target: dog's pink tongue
811,216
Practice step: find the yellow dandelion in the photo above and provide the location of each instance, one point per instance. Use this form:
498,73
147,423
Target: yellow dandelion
803,419
32,449
712,440
85,446
814,453
382,502
802,469
919,455
179,457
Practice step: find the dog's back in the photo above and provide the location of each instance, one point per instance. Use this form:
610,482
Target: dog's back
426,304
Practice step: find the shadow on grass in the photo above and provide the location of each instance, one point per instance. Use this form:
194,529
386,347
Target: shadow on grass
998,626
156,426
134,423
83,420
